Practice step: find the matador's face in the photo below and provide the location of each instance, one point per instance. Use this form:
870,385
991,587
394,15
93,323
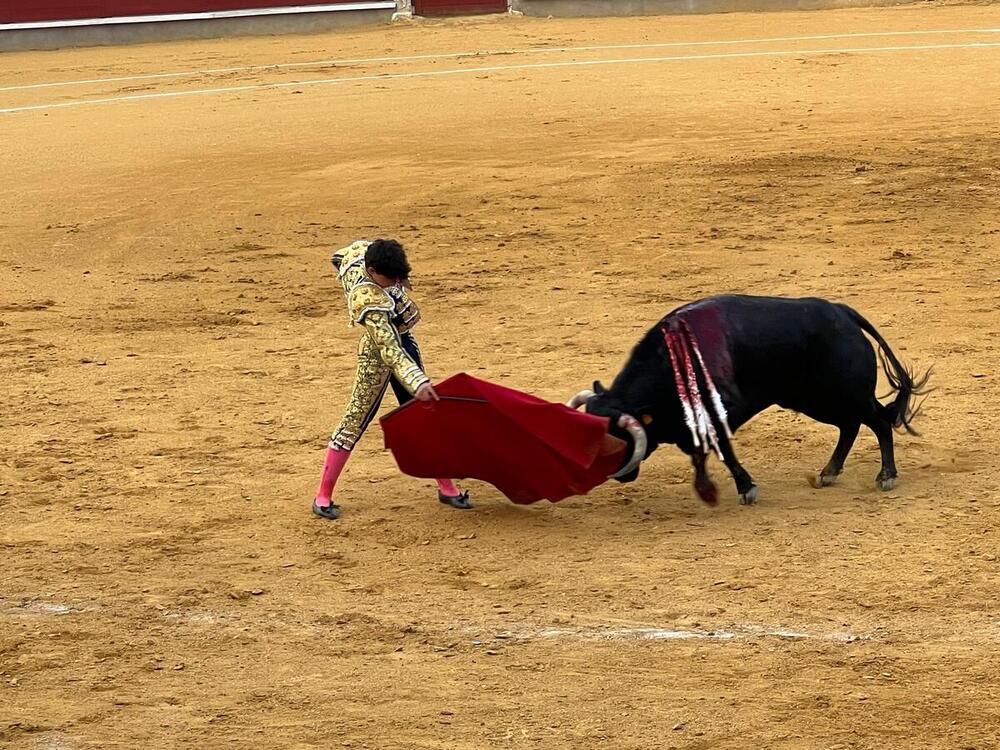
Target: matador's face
387,281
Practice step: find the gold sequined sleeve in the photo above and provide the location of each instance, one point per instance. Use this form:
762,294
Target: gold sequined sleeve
385,336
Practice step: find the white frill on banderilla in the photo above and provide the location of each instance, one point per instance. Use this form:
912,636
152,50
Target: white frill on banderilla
700,418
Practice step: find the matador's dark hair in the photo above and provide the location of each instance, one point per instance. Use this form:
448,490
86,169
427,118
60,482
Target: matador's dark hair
388,258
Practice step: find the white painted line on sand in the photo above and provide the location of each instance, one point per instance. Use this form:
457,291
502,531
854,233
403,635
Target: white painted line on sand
490,53
670,634
610,631
492,69
36,608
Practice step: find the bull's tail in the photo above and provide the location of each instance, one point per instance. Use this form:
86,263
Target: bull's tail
901,411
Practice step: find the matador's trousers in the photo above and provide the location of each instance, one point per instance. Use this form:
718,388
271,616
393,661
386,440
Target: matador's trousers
370,383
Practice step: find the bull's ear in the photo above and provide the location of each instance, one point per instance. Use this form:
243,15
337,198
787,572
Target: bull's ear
598,388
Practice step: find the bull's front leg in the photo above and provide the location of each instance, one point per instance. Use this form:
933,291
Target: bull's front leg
703,484
744,482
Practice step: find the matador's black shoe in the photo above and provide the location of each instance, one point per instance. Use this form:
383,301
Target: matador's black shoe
460,501
329,512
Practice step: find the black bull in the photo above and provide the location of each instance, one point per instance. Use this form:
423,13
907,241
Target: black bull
808,355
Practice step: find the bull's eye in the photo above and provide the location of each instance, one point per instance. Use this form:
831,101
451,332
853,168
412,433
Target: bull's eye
647,420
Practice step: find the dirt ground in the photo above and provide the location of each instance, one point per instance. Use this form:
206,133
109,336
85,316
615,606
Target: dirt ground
175,353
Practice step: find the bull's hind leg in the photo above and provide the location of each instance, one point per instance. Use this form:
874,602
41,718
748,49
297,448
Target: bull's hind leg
886,478
834,467
876,421
744,482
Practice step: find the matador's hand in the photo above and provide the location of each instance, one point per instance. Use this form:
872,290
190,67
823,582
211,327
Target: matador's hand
426,392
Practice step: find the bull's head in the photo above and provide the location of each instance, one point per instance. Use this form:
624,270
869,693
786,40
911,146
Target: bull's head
623,425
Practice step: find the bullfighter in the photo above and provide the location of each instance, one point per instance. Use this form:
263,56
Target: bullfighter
375,276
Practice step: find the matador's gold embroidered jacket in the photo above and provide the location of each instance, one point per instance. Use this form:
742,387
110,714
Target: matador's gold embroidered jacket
385,315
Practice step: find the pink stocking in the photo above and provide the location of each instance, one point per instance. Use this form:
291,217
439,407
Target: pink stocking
447,487
336,459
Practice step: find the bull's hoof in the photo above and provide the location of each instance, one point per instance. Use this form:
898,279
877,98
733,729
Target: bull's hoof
821,480
749,497
885,483
708,492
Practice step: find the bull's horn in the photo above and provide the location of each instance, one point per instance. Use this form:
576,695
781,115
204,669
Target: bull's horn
638,434
581,398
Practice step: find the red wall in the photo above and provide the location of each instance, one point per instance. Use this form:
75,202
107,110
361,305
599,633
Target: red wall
456,7
16,11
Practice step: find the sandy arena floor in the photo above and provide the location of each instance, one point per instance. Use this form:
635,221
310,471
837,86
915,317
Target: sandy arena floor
175,354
